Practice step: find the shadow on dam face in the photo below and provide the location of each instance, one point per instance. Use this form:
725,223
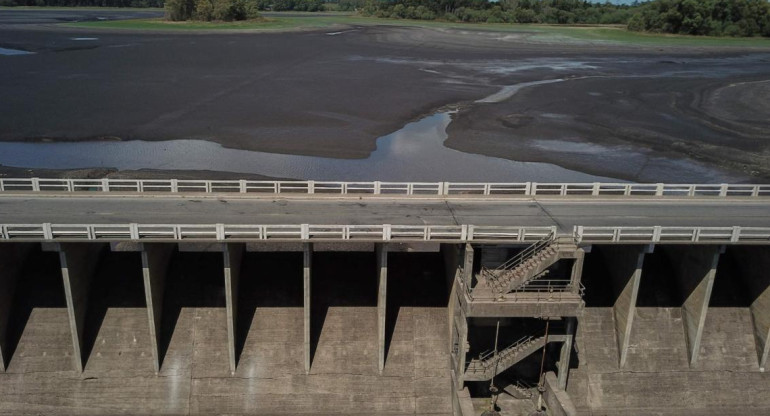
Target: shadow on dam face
39,299
660,285
116,288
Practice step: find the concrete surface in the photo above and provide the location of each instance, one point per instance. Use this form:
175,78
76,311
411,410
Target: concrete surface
564,214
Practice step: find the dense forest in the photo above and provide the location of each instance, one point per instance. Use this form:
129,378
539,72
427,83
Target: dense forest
704,17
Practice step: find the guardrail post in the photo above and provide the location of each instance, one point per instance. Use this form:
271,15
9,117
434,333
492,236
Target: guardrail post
310,187
208,187
532,191
470,233
377,185
242,186
220,232
47,231
35,184
659,189
2,185
305,231
4,232
723,189
736,235
486,188
755,190
133,230
656,233
174,185
386,232
595,189
464,232
445,188
70,185
105,185
578,232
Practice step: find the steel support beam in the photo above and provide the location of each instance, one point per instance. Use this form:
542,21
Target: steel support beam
155,261
307,260
78,265
382,289
233,254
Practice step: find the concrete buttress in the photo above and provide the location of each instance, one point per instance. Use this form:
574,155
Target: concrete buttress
155,261
382,288
754,263
625,267
307,260
78,265
233,254
695,268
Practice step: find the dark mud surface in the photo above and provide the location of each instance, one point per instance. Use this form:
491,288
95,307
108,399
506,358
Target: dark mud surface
631,113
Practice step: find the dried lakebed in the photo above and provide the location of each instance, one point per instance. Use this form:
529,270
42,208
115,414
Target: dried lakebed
382,103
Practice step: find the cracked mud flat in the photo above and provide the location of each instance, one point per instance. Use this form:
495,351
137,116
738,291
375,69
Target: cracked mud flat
604,112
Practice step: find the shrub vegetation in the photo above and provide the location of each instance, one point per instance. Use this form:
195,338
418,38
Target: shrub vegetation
704,17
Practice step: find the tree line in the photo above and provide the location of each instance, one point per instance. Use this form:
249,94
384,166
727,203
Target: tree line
704,17
690,17
503,11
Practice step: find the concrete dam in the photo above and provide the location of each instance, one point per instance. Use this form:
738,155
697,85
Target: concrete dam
259,297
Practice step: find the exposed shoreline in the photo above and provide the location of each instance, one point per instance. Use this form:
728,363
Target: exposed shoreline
334,96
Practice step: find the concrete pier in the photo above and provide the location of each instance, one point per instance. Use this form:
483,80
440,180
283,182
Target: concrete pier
78,264
566,352
155,260
624,264
382,289
468,254
307,261
233,254
695,269
754,267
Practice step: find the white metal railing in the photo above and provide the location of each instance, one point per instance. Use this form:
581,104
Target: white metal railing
384,232
657,234
296,232
380,188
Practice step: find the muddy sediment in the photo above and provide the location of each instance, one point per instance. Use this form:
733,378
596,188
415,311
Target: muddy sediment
632,113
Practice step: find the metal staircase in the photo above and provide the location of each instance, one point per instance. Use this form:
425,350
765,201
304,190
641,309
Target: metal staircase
519,390
489,364
524,267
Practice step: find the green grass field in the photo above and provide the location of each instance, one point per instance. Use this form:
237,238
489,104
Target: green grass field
537,33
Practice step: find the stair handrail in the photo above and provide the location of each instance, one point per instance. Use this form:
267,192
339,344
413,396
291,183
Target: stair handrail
484,362
521,257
